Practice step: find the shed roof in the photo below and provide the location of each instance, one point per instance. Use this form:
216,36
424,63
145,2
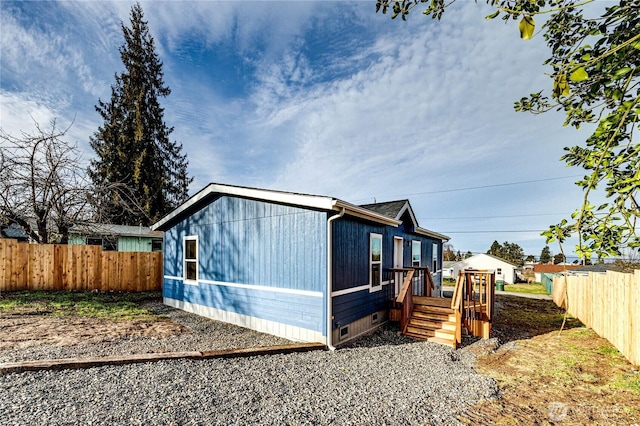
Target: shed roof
115,230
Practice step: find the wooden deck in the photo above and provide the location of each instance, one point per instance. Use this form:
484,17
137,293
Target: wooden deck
440,319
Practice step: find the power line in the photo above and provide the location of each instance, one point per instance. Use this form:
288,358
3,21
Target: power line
491,232
492,217
477,187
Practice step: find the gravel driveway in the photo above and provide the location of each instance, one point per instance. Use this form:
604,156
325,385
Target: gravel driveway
380,379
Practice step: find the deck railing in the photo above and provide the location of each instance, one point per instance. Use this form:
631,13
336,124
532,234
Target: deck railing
456,305
405,298
473,300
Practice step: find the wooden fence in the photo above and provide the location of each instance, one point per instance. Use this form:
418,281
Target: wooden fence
608,303
26,266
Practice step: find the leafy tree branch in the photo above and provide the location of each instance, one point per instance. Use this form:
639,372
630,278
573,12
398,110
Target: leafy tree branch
595,79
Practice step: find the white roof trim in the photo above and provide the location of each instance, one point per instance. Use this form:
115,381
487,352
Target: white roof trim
407,206
304,200
432,234
353,210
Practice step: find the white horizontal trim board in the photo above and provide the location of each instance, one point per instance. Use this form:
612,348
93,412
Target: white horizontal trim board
279,329
354,289
258,287
169,277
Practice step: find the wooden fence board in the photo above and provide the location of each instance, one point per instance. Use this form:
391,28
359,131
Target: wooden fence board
608,303
68,267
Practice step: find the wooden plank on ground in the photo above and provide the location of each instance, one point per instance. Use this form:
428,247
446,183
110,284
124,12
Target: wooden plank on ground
267,350
81,363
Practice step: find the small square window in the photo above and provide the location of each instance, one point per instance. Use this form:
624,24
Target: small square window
374,318
344,332
156,244
93,241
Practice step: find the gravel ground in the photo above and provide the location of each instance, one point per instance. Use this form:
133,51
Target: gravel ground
205,334
380,379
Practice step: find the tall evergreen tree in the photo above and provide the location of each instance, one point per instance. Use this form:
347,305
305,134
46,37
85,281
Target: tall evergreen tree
142,172
545,255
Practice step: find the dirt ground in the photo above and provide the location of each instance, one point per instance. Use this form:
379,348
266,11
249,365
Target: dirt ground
545,377
20,332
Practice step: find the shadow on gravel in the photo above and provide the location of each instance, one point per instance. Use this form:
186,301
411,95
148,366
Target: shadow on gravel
516,318
387,335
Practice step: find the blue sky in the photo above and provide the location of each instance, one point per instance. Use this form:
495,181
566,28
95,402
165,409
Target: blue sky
323,97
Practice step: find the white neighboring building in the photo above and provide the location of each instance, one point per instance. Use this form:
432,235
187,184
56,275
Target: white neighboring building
447,269
504,270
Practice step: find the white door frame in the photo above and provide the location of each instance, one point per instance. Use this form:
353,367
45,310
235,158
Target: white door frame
398,260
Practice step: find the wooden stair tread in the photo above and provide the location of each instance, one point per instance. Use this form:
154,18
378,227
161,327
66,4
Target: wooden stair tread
433,309
428,323
434,317
429,332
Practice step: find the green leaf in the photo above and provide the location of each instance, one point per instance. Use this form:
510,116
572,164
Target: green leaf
527,25
617,95
560,86
579,74
621,72
636,45
493,15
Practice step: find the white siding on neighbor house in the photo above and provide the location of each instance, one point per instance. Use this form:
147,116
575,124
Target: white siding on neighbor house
484,261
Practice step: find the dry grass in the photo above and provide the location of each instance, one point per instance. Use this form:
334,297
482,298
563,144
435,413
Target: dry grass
572,377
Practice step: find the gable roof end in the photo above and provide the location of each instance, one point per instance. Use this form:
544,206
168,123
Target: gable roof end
291,198
395,210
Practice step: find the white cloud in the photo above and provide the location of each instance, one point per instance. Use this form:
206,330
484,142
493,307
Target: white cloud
327,98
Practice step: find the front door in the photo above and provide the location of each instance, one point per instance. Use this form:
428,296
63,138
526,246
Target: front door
398,262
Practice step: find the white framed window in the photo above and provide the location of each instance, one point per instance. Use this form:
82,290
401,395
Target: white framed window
190,259
416,253
375,262
434,263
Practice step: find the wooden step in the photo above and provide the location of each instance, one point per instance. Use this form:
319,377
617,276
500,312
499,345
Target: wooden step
424,333
434,316
433,309
426,323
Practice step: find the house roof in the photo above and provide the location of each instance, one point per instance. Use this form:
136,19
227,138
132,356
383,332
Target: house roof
14,231
603,267
393,209
115,230
488,255
292,198
551,269
396,210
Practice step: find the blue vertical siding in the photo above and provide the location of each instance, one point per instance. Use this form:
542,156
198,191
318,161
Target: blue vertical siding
351,265
258,243
254,242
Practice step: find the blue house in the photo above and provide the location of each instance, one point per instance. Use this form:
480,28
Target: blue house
304,267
